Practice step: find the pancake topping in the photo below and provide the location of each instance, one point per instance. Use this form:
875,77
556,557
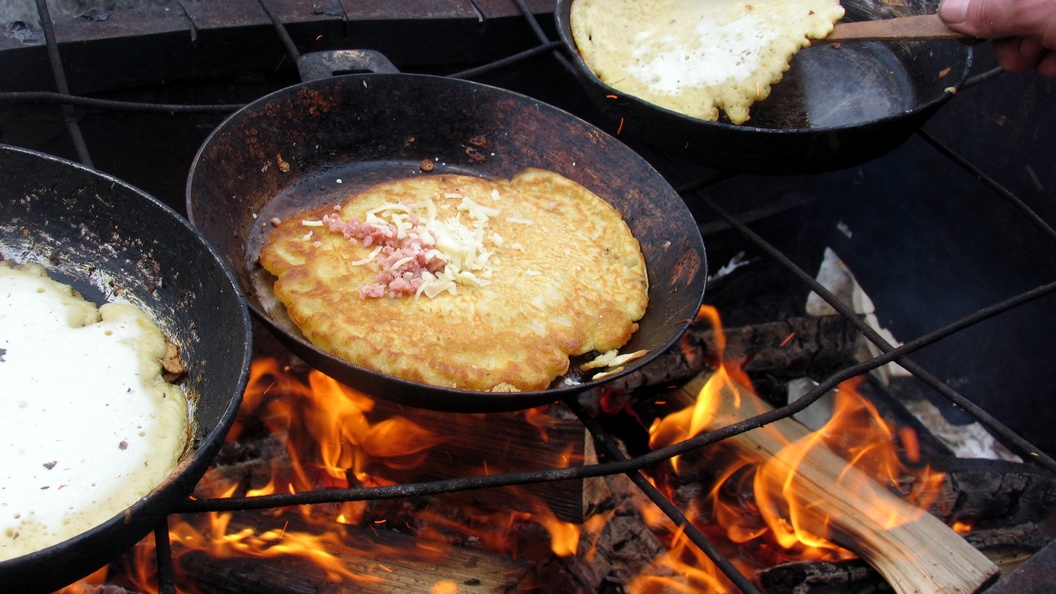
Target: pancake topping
462,282
419,256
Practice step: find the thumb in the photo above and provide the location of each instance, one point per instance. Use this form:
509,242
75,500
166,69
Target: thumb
994,19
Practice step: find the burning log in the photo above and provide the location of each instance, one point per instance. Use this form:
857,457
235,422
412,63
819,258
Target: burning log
794,348
988,493
508,442
1007,548
913,550
382,562
617,545
441,445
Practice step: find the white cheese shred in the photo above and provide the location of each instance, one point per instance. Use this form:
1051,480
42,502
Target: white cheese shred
460,241
368,259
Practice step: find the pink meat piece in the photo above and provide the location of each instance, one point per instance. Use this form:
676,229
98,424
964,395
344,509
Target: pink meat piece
409,251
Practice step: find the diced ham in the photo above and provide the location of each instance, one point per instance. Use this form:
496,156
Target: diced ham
402,258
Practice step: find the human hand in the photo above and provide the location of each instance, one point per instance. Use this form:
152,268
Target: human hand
1023,31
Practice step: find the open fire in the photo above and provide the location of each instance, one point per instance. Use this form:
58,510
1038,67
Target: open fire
774,496
910,221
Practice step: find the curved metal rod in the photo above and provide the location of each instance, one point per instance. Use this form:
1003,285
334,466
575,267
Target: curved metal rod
632,464
280,28
611,449
110,104
990,183
72,125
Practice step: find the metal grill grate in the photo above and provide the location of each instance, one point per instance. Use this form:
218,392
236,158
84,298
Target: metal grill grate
707,191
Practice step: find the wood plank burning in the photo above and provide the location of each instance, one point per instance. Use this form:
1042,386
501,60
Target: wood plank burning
918,555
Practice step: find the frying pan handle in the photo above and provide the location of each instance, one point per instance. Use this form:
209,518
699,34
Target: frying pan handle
320,65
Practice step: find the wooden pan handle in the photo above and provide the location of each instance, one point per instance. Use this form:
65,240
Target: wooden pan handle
910,28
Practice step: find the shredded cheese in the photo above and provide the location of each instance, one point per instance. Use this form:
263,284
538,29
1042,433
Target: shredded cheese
605,374
368,259
611,358
460,241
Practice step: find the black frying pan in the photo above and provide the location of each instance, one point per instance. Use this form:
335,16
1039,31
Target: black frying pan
836,106
366,128
111,241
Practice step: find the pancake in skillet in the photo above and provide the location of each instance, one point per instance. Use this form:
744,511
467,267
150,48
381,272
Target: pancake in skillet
697,57
462,282
89,425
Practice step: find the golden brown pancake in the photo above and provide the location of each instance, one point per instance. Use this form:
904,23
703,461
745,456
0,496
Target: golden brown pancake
494,285
697,57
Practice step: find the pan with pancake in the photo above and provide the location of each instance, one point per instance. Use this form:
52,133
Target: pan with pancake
112,242
317,142
837,105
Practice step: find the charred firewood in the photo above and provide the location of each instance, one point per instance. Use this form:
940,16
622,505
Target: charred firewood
610,552
993,493
823,577
1007,547
984,494
374,561
772,354
796,347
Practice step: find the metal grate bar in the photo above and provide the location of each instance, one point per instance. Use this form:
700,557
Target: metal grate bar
611,449
72,126
989,182
617,463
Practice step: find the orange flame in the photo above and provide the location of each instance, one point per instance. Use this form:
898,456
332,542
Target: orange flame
755,500
333,439
684,569
324,426
858,433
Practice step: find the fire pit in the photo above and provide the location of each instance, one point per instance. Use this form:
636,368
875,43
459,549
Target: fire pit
942,237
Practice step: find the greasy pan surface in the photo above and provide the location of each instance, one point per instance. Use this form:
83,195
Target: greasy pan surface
289,150
836,106
112,242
